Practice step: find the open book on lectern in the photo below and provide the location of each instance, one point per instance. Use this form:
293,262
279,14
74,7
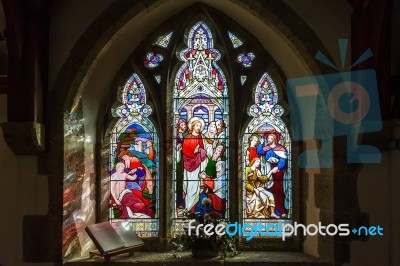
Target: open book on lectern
111,236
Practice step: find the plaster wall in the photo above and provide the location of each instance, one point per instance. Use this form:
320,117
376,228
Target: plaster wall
22,192
68,21
378,186
329,19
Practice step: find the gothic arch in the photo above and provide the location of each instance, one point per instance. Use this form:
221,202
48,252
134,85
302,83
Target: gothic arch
73,87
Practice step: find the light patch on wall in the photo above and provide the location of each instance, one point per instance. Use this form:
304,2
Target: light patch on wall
78,193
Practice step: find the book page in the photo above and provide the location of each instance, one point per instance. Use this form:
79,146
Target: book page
105,237
128,236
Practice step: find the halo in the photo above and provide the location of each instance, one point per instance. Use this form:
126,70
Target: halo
194,120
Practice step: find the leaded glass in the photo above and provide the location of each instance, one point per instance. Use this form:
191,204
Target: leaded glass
243,79
236,42
157,78
152,60
201,132
134,162
78,208
164,40
266,163
245,59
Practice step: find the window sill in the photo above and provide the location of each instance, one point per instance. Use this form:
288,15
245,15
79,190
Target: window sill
185,258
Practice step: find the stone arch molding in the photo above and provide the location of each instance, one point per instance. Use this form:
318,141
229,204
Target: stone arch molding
107,54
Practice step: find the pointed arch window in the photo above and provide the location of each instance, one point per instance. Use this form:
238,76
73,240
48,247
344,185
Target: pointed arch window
266,163
134,163
200,109
164,40
198,123
236,42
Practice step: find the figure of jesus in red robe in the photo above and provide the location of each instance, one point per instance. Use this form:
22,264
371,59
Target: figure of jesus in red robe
194,161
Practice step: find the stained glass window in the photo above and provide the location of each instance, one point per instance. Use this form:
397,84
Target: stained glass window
243,79
236,42
164,40
157,78
267,191
134,162
245,59
200,106
152,60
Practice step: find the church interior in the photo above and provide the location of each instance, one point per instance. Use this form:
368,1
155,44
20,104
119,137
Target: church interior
150,111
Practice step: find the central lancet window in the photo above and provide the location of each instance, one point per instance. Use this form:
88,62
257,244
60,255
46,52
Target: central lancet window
200,106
